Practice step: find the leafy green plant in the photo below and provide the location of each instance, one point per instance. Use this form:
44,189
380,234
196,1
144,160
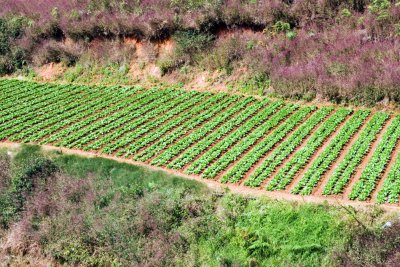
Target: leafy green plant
380,8
346,12
300,158
269,165
347,167
291,35
281,26
191,41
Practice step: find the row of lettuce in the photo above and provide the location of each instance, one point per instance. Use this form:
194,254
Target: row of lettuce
236,139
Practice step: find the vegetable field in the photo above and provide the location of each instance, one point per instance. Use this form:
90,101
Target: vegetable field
271,145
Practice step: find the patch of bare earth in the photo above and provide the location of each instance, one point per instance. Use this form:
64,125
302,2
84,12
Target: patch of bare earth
51,71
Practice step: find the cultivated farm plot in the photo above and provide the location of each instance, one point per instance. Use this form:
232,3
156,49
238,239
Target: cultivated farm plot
271,145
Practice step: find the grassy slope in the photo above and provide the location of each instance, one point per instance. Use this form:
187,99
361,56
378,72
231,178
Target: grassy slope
96,212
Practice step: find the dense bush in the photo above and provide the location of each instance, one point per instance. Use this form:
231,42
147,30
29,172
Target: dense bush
374,248
28,171
11,58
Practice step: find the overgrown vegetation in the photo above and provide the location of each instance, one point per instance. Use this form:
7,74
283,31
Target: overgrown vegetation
11,57
337,50
96,212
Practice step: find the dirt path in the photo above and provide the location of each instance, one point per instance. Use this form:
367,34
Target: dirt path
214,185
366,159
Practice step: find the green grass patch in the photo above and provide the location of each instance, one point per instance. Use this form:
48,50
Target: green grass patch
98,212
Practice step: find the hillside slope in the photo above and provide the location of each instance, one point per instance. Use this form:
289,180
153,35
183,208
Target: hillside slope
325,151
66,210
338,51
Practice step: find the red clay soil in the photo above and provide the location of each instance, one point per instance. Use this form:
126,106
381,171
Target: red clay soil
250,149
327,141
324,179
385,174
214,185
232,164
364,162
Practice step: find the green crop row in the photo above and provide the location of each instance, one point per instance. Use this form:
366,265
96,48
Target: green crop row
207,128
220,133
373,171
301,157
125,109
257,152
201,163
330,153
390,191
347,167
240,148
208,134
58,119
148,121
185,129
170,126
286,148
70,134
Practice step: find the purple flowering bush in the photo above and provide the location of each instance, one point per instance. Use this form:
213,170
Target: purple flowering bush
332,49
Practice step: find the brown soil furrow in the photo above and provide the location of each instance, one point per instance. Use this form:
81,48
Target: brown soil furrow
225,135
195,143
214,185
389,166
112,114
219,176
82,119
150,120
366,159
252,169
262,159
288,158
324,179
321,148
184,135
172,130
